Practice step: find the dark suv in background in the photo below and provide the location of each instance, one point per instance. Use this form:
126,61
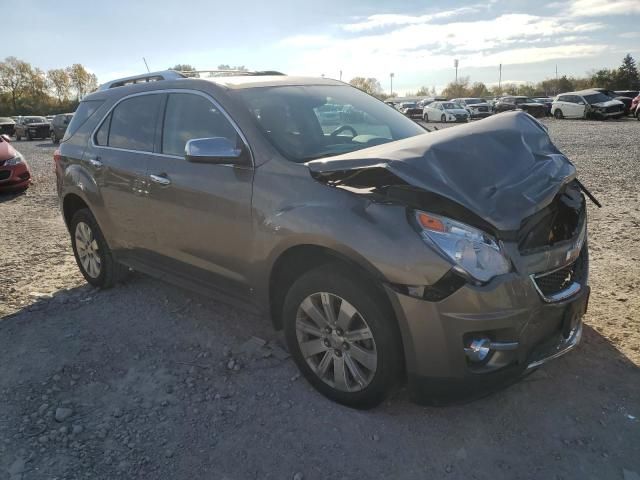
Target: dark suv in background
59,125
31,127
456,259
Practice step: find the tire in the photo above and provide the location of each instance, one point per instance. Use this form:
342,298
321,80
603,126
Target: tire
443,119
558,114
29,137
378,363
54,139
425,118
97,266
18,137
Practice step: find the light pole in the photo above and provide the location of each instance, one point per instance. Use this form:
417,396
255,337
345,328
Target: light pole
500,80
455,65
391,75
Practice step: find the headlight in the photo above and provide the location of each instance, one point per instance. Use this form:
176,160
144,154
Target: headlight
472,251
14,161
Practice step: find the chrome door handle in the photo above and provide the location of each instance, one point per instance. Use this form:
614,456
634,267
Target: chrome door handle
95,162
160,179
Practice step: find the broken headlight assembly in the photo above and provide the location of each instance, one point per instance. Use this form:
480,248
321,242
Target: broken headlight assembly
474,253
14,161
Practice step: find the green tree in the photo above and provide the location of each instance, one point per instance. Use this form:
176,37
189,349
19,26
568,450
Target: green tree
370,85
60,83
14,79
627,75
457,89
81,80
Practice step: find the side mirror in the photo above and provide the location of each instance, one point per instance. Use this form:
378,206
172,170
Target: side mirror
6,138
217,150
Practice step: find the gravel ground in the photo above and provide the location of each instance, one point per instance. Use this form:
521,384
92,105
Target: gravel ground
149,381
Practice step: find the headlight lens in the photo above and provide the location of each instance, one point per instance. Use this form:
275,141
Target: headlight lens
472,251
14,161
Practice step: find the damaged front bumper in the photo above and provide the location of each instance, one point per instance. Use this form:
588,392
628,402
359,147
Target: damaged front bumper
526,331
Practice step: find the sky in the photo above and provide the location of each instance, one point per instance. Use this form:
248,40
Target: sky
417,41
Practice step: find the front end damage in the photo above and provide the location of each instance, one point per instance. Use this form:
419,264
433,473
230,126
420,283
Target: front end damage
465,336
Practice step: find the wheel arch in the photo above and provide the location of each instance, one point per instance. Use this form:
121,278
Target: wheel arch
298,259
71,203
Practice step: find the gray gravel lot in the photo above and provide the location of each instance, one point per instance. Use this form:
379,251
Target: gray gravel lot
149,381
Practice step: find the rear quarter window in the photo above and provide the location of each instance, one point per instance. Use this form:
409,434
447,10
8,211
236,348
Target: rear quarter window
84,111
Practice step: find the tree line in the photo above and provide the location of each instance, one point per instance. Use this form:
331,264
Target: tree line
625,77
28,90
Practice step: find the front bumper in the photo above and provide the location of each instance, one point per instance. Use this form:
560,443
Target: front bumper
14,178
476,114
508,310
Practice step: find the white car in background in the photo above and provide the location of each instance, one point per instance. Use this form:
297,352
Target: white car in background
445,112
586,104
477,107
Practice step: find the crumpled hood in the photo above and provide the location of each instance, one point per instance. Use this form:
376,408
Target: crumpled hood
609,103
503,168
6,151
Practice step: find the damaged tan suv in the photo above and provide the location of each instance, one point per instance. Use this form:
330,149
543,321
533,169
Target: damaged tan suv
454,260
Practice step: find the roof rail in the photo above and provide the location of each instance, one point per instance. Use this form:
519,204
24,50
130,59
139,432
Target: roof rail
144,78
226,73
175,75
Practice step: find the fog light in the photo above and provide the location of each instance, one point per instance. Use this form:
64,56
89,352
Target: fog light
478,349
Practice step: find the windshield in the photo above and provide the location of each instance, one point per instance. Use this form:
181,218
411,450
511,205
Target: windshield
597,98
450,105
473,101
408,105
316,121
6,120
520,100
28,120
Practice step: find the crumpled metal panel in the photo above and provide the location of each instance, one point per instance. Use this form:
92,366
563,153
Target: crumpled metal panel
503,168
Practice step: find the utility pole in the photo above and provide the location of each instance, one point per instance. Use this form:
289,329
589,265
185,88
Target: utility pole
500,80
340,75
557,89
455,65
391,75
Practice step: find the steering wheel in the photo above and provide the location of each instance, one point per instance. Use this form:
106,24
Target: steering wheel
344,128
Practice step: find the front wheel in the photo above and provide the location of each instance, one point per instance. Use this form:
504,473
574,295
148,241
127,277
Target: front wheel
558,114
443,119
343,338
93,255
54,139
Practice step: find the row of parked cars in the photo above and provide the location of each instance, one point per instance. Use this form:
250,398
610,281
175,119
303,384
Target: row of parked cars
597,103
35,126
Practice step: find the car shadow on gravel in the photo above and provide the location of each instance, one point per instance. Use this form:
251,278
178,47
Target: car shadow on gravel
149,381
8,196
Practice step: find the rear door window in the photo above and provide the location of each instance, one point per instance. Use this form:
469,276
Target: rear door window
189,116
133,123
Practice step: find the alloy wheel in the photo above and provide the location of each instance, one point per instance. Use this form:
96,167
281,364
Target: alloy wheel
87,248
336,342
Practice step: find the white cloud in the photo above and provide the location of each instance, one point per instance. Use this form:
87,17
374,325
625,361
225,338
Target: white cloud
385,20
416,45
596,8
629,35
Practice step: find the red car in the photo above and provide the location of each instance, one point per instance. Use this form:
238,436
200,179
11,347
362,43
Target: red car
634,106
14,171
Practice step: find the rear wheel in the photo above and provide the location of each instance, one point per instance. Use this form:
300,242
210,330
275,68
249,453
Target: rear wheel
343,337
558,114
93,255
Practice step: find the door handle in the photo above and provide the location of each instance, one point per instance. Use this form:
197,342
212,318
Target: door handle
160,179
95,162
